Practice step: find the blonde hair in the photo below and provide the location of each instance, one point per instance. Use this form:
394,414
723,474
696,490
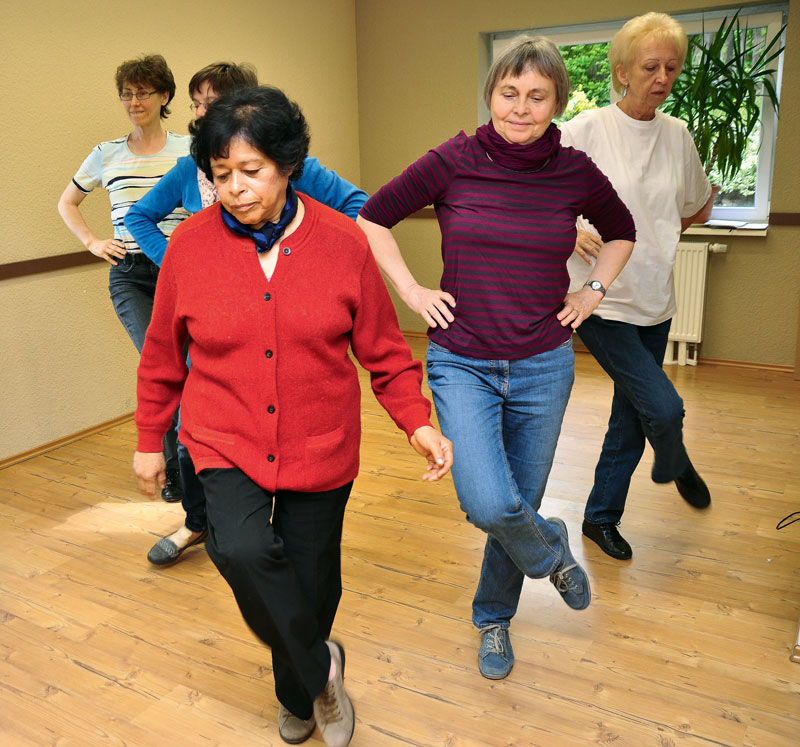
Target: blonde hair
648,26
531,53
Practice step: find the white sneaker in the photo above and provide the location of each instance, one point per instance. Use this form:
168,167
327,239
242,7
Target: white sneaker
333,709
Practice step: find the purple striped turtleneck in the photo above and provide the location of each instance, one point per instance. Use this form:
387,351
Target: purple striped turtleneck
506,238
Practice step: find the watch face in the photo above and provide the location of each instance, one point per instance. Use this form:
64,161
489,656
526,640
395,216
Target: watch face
596,285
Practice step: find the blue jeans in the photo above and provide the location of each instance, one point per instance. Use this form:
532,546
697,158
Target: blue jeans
132,287
645,405
504,418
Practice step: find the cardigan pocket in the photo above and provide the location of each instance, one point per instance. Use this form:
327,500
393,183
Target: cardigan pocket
324,448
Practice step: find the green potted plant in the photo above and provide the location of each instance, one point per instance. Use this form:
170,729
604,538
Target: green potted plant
721,90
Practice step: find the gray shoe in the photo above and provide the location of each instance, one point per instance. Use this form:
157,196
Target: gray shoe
333,709
294,729
569,578
496,658
166,552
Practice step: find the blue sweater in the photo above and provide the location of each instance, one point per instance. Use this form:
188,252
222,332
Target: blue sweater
178,187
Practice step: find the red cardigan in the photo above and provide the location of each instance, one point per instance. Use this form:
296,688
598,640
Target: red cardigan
272,389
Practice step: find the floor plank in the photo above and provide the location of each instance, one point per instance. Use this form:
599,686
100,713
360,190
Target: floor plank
686,644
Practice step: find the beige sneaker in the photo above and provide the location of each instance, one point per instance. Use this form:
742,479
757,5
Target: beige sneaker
333,709
294,729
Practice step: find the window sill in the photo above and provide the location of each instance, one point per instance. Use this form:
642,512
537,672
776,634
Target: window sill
701,230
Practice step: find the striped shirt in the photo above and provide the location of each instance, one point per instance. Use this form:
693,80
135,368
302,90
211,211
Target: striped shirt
506,239
128,177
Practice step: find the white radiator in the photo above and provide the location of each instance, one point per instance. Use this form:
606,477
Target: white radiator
689,275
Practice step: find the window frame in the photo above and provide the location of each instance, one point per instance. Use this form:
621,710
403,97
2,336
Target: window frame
771,16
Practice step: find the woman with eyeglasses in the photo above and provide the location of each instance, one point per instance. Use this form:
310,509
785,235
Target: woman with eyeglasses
127,168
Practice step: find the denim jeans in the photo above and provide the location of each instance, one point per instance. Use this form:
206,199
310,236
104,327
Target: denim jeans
504,418
645,405
281,556
132,287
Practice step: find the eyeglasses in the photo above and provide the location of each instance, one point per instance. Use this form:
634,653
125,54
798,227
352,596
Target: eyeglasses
205,104
140,95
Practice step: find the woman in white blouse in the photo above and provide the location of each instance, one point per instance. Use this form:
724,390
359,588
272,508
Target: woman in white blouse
653,164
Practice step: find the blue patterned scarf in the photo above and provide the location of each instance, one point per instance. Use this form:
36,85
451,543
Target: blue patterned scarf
269,233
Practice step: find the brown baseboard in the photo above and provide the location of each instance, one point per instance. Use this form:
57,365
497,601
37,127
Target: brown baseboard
44,448
777,367
579,347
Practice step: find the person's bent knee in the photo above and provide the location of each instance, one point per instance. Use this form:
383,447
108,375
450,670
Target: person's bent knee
667,417
490,519
242,557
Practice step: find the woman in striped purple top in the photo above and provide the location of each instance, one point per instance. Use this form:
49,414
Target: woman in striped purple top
500,360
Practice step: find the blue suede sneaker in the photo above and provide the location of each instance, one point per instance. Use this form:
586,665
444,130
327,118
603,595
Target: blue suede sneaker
495,659
569,578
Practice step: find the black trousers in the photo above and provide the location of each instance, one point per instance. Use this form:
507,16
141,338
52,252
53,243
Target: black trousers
281,556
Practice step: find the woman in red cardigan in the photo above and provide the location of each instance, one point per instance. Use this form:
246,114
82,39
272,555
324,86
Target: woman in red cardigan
271,289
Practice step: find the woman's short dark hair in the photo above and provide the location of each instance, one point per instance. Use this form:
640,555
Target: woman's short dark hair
530,53
224,77
262,116
148,70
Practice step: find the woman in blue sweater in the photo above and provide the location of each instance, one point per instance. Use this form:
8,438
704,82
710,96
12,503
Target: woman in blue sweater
185,186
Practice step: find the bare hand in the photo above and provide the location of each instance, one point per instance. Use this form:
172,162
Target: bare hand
578,306
588,245
107,249
151,471
436,448
431,305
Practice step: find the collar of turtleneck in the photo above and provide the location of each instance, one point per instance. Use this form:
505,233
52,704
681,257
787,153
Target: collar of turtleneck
531,157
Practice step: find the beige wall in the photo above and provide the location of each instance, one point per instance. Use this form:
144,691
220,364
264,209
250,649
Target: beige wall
418,77
68,363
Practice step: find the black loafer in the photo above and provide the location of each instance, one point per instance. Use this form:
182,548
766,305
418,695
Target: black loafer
691,486
609,539
165,551
172,491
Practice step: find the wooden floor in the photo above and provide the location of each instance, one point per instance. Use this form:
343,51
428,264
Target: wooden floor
687,644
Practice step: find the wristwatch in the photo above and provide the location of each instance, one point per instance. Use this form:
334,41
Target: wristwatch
595,285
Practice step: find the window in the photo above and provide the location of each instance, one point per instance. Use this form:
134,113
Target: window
744,196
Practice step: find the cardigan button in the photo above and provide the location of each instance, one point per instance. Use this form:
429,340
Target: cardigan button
271,458
268,354
267,296
287,250
271,409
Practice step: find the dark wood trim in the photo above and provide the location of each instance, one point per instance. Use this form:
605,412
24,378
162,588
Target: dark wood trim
426,213
78,259
775,219
784,219
47,264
